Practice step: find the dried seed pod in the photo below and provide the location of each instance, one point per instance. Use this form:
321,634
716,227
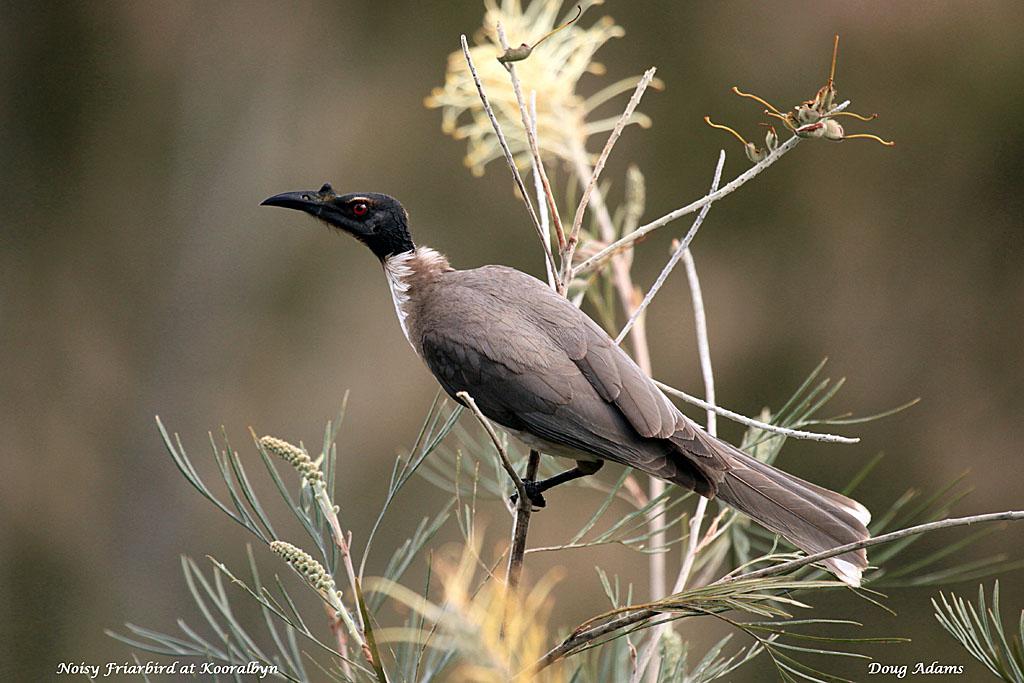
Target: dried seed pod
811,130
753,153
833,130
518,54
806,114
812,119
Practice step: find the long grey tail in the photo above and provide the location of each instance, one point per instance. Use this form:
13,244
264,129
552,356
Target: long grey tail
810,517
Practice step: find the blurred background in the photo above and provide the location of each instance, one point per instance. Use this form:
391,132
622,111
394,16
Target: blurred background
140,277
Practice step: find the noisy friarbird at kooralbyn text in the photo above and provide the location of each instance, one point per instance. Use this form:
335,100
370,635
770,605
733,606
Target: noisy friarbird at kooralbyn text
541,368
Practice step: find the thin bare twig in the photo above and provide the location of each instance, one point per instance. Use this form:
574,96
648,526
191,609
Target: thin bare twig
509,159
577,223
620,264
703,346
615,623
532,140
627,293
628,297
506,463
683,246
626,240
542,205
694,542
523,504
751,422
704,353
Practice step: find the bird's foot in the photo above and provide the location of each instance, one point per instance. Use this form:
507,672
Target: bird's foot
533,493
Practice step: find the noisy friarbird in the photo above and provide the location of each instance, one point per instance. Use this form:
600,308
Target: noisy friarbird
541,368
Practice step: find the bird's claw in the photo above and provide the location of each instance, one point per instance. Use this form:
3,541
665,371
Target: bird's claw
532,492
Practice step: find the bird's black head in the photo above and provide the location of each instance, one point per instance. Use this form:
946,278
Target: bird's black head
377,220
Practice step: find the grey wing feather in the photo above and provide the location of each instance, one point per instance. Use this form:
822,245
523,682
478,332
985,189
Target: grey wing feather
619,380
548,369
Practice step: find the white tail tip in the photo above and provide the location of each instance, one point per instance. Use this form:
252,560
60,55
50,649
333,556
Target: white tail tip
848,572
859,512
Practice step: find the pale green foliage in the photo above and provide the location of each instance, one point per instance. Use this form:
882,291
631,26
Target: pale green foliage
462,463
979,628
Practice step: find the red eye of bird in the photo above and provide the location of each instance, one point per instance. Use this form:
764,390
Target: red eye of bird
360,209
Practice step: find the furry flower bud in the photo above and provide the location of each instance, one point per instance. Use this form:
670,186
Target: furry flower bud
294,456
304,563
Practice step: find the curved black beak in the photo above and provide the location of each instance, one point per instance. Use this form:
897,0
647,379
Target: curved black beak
311,201
303,201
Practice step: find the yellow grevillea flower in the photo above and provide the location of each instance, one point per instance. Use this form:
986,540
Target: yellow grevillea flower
552,71
497,634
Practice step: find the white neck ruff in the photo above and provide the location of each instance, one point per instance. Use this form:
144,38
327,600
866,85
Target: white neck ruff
401,270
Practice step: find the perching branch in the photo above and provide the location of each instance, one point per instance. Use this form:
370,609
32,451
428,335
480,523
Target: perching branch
619,621
523,505
509,159
735,184
524,508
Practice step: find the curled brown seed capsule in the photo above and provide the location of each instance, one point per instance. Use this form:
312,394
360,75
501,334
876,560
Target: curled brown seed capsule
753,153
518,54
